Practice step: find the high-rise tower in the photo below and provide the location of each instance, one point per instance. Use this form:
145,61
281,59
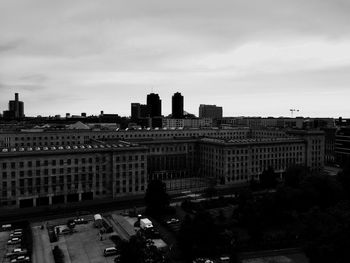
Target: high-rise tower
16,109
177,106
154,105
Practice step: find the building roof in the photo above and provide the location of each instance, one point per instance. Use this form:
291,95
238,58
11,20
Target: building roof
121,145
252,141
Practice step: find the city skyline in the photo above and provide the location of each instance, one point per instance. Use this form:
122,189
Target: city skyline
260,58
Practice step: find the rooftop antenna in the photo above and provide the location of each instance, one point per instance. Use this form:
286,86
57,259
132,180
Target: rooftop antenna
292,111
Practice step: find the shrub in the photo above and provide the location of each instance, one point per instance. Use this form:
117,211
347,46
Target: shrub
58,255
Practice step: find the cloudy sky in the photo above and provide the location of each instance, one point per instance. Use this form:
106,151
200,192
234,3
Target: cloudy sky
256,57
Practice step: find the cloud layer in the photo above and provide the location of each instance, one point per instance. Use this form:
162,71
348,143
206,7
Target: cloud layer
252,57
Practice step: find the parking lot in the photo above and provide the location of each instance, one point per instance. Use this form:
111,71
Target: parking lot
15,243
84,245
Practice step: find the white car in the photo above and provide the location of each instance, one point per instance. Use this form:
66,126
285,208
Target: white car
20,259
19,251
16,234
14,240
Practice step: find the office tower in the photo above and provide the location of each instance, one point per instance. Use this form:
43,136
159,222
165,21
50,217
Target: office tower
135,111
177,106
154,104
139,111
144,111
210,111
16,109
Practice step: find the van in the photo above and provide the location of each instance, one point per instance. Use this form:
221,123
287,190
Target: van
110,251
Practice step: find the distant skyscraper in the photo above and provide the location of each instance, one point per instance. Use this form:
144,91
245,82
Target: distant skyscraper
144,111
135,111
139,111
177,106
16,109
154,104
210,111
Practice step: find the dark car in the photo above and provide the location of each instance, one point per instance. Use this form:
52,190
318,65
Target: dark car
80,221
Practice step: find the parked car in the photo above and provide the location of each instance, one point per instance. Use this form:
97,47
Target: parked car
14,240
110,251
16,252
80,221
19,251
173,221
66,231
71,223
6,227
20,259
16,234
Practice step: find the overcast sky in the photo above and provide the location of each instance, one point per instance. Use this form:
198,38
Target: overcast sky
254,58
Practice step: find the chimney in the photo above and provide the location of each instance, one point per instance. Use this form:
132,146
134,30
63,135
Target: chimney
16,96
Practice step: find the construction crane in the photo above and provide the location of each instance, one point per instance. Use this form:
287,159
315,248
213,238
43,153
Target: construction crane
292,111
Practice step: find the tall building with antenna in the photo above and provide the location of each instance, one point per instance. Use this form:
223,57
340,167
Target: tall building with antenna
16,109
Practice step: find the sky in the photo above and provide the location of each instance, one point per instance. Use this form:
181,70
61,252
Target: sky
253,58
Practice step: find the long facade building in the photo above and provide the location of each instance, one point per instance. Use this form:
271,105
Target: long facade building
72,137
238,161
342,145
48,168
57,175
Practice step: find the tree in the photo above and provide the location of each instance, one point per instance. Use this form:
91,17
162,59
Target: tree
211,190
294,175
343,178
327,234
321,190
199,236
58,255
134,250
186,237
156,198
268,178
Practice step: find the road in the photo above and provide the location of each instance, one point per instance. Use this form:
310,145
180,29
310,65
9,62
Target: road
42,252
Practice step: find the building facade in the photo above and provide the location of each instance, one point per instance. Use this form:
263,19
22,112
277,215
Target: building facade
78,137
210,111
60,175
51,168
187,123
342,146
239,161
